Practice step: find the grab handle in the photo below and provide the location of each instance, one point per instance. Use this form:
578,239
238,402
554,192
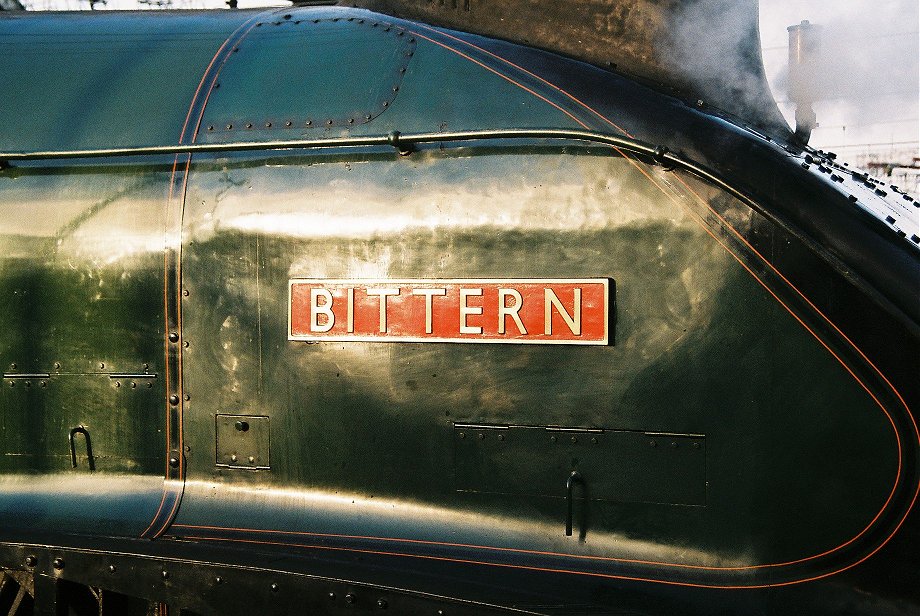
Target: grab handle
89,447
574,478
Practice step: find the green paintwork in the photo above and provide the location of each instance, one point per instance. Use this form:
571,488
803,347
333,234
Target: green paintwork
796,458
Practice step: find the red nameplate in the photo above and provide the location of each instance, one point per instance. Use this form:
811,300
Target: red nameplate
568,311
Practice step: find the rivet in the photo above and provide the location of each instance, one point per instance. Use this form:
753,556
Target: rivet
252,460
30,561
367,117
211,127
102,366
173,337
268,125
386,103
501,437
174,399
149,385
552,439
574,439
382,604
350,598
248,125
274,587
236,49
351,120
463,435
696,445
216,84
233,457
174,462
482,436
241,426
44,383
57,366
332,596
699,102
117,383
673,444
329,122
187,397
653,443
28,383
594,440
229,126
12,383
289,124
185,344
402,70
112,568
146,366
13,366
58,563
218,580
309,122
396,88
133,385
165,574
400,33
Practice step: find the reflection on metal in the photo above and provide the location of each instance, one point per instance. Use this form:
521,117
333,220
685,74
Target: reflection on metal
89,447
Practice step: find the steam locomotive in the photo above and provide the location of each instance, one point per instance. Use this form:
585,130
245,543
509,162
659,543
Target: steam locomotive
442,308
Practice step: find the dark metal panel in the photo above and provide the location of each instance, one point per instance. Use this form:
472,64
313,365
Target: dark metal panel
243,441
614,465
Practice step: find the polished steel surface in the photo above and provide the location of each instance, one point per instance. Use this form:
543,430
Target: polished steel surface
744,441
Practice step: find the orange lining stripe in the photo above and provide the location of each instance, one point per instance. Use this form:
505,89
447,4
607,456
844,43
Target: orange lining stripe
524,70
533,568
773,294
787,308
505,77
251,21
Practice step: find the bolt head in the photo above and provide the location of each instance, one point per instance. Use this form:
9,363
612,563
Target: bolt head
274,587
174,462
350,598
112,568
174,399
30,561
173,337
382,604
58,563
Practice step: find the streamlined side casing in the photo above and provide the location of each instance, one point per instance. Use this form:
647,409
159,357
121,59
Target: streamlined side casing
748,424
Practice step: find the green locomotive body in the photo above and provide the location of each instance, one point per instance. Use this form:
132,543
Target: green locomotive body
741,438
